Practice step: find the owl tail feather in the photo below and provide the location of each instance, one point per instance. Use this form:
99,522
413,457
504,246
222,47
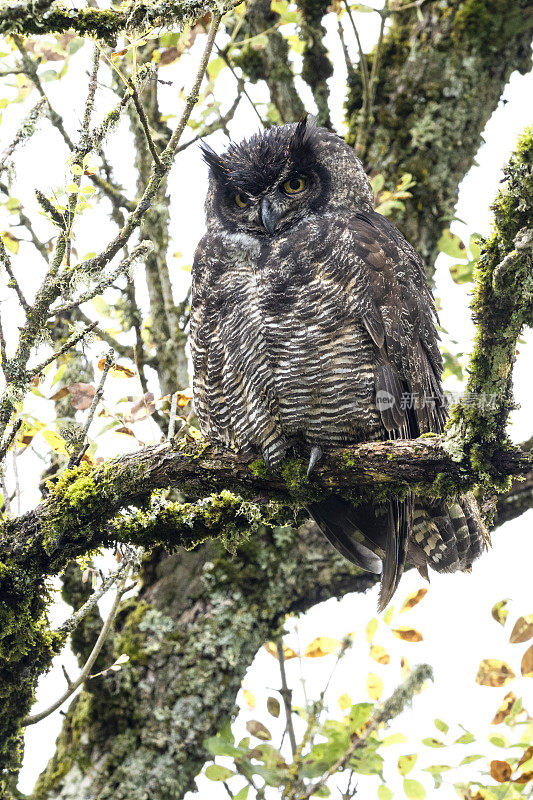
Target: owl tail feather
356,532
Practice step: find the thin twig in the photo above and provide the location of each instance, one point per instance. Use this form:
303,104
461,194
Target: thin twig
364,74
76,456
6,261
146,127
172,420
3,347
17,484
140,251
286,694
10,438
67,346
123,350
74,620
84,674
224,55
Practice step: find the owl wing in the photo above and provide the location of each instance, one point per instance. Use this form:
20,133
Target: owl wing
398,311
387,291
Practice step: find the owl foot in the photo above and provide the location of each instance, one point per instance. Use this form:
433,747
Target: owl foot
316,455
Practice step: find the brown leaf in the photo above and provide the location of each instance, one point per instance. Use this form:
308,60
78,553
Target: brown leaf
59,394
505,709
272,648
322,646
142,409
117,370
501,771
168,56
499,611
125,431
525,777
413,599
523,630
493,672
273,706
406,667
258,730
379,654
526,755
408,634
526,667
82,395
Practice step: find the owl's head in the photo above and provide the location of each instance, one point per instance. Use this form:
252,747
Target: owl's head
282,175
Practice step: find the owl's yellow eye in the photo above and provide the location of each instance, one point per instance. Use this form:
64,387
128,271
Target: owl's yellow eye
241,200
294,185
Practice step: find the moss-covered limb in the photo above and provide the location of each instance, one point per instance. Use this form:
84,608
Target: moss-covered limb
43,16
196,626
443,69
502,305
270,64
317,67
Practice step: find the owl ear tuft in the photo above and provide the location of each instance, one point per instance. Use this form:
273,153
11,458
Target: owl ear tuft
212,159
302,134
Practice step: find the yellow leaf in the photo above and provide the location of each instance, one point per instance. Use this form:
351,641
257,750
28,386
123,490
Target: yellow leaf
413,599
11,242
56,442
117,370
526,667
408,634
406,667
272,648
493,672
523,629
322,646
371,629
388,615
250,698
344,701
184,397
374,686
499,611
379,654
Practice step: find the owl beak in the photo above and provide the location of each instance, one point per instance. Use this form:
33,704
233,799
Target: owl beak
269,218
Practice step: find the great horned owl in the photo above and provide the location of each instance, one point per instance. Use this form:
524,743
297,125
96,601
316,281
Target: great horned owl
312,326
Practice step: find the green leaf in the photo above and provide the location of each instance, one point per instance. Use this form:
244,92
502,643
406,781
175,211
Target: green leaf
469,759
215,67
362,8
394,738
218,747
406,763
466,738
384,793
475,249
432,742
441,726
322,792
76,169
377,183
72,188
463,273
413,789
451,244
360,713
59,373
243,794
88,190
436,768
217,773
498,740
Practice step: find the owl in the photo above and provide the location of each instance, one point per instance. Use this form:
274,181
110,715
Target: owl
312,327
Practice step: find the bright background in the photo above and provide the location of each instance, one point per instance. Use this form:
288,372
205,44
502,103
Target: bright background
454,617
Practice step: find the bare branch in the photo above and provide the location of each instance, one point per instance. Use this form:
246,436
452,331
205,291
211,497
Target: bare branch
6,262
77,455
69,344
86,671
73,621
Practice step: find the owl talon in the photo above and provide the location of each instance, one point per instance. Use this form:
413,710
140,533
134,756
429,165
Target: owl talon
316,455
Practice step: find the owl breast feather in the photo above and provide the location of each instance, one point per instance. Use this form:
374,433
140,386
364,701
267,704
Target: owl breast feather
280,353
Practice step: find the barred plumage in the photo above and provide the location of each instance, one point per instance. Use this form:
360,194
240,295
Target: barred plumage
312,326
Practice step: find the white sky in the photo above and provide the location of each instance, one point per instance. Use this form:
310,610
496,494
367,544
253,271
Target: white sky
455,615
